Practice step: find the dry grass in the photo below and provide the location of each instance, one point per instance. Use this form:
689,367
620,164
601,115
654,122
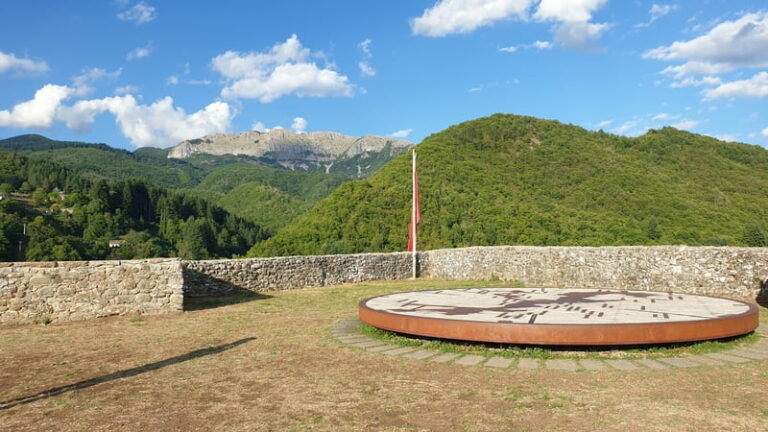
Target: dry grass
178,372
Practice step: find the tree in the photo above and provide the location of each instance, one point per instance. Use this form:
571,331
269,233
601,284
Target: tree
194,244
6,248
754,235
652,228
39,197
100,225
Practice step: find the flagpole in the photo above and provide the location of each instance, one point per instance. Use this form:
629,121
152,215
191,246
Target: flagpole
413,211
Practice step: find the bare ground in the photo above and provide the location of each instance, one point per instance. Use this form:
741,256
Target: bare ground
271,364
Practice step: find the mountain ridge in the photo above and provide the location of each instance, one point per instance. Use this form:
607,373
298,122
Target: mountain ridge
329,152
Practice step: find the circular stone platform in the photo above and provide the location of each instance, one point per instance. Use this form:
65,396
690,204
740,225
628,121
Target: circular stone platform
549,316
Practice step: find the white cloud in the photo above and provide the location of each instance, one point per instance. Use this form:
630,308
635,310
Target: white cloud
708,80
160,124
571,18
83,81
578,34
727,137
285,69
686,124
639,124
299,125
626,127
568,10
140,52
695,68
261,127
464,16
126,90
365,46
302,79
657,11
728,46
95,74
141,13
176,80
40,111
403,133
573,29
757,86
234,65
10,62
603,124
366,69
538,45
494,84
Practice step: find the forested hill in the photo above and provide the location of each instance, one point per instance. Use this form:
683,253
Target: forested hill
268,196
103,161
32,142
48,212
513,180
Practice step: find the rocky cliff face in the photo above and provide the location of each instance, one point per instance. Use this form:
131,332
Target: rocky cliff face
312,151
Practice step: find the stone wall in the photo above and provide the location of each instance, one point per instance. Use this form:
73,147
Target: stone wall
244,276
62,291
74,290
716,271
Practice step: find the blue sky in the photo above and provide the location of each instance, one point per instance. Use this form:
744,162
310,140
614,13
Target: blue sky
154,72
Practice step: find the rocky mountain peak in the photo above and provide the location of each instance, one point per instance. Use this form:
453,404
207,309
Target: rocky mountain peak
311,151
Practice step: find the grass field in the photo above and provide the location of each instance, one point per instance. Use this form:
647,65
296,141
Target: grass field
271,364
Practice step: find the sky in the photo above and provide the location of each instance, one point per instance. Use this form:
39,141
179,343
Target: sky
155,72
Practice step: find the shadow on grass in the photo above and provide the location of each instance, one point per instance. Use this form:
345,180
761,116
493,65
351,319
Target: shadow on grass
55,391
762,295
762,299
201,303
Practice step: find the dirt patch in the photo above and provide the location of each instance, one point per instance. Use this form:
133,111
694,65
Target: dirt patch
271,364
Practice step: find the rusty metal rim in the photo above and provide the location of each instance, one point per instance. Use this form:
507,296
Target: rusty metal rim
564,334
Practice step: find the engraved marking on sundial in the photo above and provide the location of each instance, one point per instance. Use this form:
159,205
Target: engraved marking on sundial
523,304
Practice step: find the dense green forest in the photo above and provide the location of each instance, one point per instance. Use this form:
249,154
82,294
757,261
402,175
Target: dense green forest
513,180
267,196
48,212
102,161
498,180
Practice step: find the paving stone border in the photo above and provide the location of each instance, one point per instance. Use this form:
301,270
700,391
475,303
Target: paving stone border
347,332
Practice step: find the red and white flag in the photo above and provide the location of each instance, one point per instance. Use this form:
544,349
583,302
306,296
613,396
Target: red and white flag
415,210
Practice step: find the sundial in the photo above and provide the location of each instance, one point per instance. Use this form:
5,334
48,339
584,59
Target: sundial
559,316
